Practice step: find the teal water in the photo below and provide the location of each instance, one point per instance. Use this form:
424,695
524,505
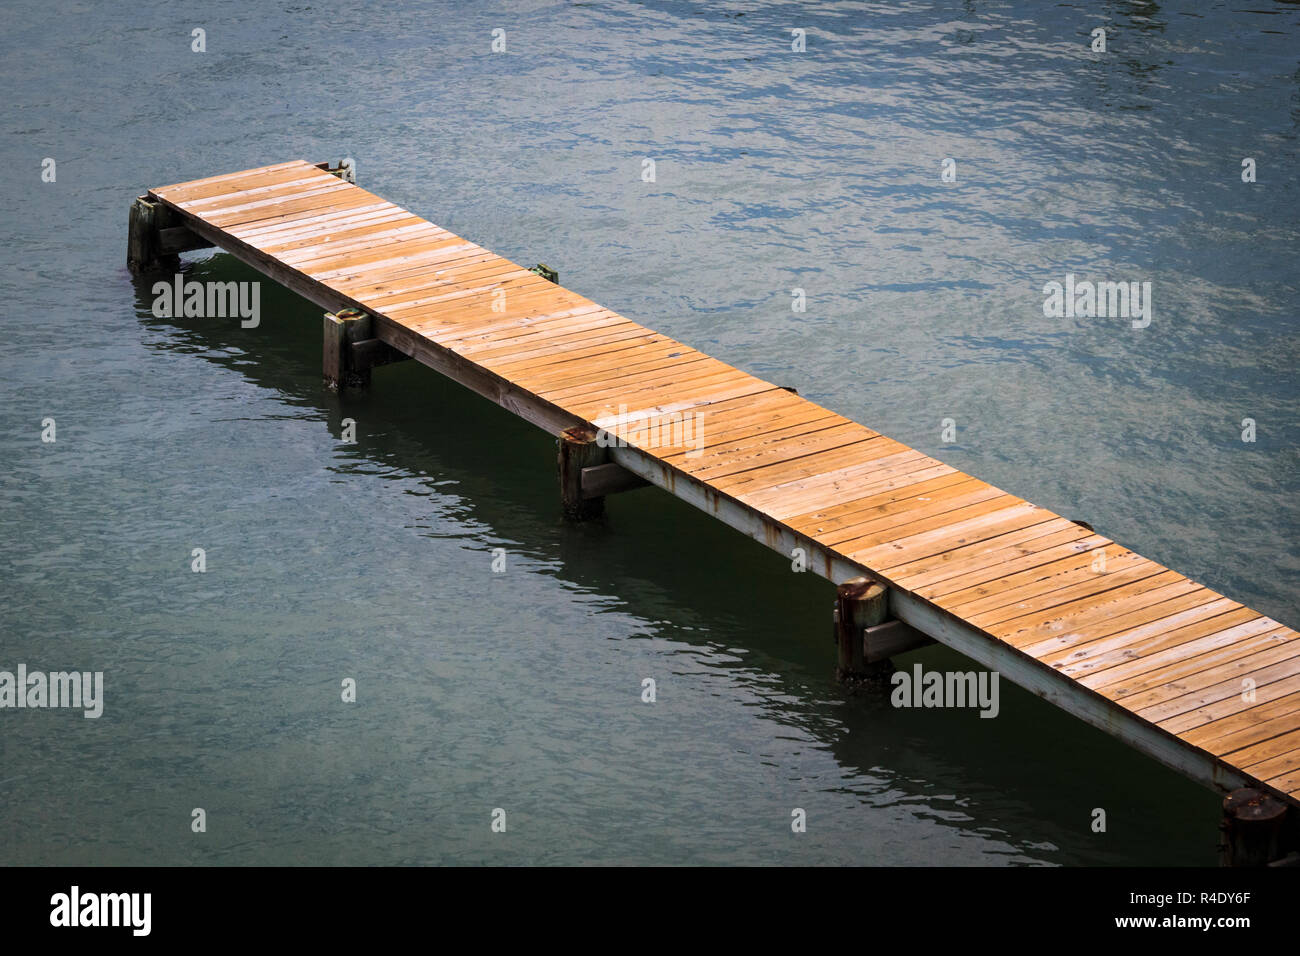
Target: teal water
521,690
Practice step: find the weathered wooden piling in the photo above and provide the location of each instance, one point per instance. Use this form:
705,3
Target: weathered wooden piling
155,236
860,603
342,331
144,252
578,449
1254,828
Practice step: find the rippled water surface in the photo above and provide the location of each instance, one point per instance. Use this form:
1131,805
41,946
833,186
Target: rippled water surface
775,170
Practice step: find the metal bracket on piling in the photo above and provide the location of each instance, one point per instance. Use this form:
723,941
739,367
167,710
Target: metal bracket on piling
345,169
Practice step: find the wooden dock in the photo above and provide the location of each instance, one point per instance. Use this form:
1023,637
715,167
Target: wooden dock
1182,673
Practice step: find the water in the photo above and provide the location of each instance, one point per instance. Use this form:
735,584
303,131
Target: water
775,170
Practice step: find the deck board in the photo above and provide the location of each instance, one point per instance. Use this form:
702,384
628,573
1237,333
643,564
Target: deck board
1128,641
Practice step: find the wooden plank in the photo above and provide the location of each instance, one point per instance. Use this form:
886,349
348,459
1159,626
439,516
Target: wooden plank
179,239
331,195
419,297
1160,703
769,435
259,194
1270,758
697,403
1161,670
1288,783
1069,578
310,253
351,230
1231,705
1170,631
314,224
690,387
1019,544
915,513
547,327
1141,584
983,526
637,362
444,295
738,429
594,328
439,310
1072,542
763,455
1151,612
718,419
231,182
305,212
1258,721
559,359
888,466
608,382
373,265
1261,723
782,478
863,509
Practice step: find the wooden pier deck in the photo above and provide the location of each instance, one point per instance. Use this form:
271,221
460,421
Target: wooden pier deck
1135,648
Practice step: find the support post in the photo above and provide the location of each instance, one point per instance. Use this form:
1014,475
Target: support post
609,479
144,246
579,450
371,353
860,603
342,330
893,637
1254,828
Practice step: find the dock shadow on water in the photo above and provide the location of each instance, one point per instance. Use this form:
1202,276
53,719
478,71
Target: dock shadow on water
748,725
